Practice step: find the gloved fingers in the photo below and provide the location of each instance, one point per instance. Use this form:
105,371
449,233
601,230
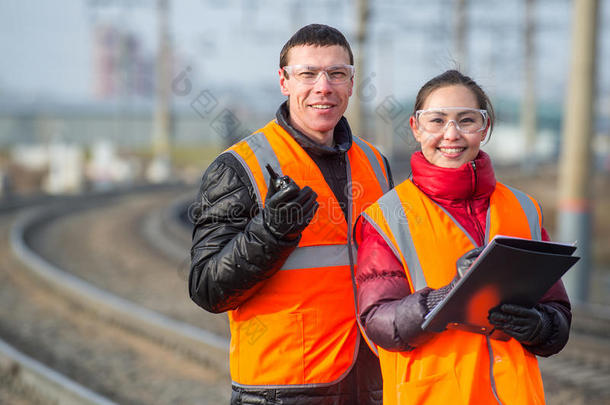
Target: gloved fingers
434,297
505,321
518,310
276,182
474,253
303,200
520,336
523,333
520,330
306,194
309,214
524,324
283,195
308,204
294,197
465,261
296,211
497,317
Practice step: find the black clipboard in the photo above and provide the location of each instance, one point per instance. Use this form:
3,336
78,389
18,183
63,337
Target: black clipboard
508,271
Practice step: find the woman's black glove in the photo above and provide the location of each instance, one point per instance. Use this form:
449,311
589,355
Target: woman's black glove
288,208
529,326
465,261
462,265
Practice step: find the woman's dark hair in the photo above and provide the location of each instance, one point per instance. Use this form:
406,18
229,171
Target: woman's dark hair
452,78
317,35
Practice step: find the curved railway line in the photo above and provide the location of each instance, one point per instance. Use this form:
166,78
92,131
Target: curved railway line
119,345
93,297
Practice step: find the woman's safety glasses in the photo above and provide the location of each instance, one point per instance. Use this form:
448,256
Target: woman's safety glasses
437,120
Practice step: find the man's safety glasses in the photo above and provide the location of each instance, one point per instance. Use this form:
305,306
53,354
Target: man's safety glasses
307,74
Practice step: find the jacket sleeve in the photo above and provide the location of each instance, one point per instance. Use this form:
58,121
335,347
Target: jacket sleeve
390,314
555,304
233,252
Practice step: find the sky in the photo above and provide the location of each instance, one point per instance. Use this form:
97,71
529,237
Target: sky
46,46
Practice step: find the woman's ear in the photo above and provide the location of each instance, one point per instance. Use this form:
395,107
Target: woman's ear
414,129
485,131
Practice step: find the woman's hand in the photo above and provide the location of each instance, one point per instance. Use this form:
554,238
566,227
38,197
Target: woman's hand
528,325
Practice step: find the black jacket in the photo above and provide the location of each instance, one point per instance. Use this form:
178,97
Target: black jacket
233,252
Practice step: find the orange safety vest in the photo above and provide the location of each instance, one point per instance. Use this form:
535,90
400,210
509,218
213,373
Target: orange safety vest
454,367
300,328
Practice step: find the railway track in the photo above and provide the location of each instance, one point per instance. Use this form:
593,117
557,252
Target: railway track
121,350
580,374
153,279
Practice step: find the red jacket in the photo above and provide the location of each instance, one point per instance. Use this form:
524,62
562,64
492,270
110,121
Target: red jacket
390,312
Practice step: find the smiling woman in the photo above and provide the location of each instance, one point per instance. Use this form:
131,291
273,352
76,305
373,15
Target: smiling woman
463,105
416,241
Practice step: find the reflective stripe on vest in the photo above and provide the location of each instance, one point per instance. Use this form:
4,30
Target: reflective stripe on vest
259,145
317,256
377,168
395,216
454,366
529,208
299,328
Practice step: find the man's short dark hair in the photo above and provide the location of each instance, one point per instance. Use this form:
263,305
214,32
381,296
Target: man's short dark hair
316,35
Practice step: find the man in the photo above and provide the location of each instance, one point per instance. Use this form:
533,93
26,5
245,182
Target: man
277,252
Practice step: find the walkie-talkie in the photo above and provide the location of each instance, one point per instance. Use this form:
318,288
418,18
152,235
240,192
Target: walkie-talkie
278,182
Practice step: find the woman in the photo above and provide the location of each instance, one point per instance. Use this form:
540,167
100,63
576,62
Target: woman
410,241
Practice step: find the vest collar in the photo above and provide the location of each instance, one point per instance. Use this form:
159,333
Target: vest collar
454,184
342,135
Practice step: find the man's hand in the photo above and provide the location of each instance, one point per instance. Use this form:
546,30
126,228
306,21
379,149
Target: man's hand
288,208
527,325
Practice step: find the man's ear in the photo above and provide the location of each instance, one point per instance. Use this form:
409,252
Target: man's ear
283,86
414,129
351,87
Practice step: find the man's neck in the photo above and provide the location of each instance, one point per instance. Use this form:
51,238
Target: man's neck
341,139
320,138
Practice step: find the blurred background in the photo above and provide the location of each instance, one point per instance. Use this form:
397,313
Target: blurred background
100,93
79,77
110,111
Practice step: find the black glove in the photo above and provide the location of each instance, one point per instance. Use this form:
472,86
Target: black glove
288,208
462,265
436,296
528,325
465,261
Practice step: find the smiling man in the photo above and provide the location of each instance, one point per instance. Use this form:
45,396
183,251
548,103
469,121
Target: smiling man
273,245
